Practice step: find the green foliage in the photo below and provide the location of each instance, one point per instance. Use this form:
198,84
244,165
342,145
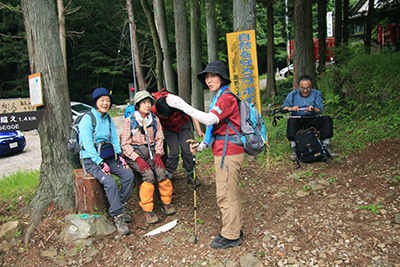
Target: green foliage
371,208
199,221
21,184
333,179
306,188
14,64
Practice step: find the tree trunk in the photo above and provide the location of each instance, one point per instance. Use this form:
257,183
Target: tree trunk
156,43
244,15
161,24
61,29
310,62
369,26
212,34
300,42
44,50
345,21
322,34
271,84
182,49
136,51
338,23
195,40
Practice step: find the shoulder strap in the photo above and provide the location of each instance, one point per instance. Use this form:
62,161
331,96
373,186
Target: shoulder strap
229,125
132,121
109,124
154,124
90,113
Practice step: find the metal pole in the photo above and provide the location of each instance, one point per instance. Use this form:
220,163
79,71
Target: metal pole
133,60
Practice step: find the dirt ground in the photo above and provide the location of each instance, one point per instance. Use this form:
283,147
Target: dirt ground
311,216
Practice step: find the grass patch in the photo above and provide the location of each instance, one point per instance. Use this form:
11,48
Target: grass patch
20,184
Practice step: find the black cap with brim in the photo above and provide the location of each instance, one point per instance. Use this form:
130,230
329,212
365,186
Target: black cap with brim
217,67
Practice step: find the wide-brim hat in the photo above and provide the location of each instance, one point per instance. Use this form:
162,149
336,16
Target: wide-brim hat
139,96
217,67
98,93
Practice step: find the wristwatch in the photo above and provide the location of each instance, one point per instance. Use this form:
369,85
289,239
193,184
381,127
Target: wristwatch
101,165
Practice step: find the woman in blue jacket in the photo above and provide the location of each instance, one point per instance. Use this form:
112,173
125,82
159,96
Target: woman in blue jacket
100,158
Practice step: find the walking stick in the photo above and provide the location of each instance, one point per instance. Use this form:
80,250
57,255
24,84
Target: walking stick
191,141
153,168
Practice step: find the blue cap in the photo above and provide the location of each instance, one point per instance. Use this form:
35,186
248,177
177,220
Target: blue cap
100,92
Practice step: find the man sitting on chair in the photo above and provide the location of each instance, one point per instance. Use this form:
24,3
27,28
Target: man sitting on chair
306,101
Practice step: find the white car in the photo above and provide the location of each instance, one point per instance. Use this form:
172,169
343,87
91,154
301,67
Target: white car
286,72
78,108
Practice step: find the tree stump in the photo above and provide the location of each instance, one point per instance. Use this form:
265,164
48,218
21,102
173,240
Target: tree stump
89,193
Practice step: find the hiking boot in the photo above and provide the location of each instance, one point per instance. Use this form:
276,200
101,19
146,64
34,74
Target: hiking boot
221,242
121,225
293,156
241,235
151,217
169,209
173,185
127,216
329,150
190,180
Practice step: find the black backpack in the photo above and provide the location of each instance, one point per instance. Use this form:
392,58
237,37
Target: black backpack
308,146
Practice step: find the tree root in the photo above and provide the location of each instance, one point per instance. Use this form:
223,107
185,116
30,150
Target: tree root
37,211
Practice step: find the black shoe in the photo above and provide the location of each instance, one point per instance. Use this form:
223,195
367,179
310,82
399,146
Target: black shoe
328,149
221,242
127,216
190,180
293,155
241,235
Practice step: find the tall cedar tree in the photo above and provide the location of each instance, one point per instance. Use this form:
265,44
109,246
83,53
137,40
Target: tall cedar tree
56,178
135,45
300,41
195,40
182,49
271,84
161,24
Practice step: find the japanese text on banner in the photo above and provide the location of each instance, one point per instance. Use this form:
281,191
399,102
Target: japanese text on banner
243,66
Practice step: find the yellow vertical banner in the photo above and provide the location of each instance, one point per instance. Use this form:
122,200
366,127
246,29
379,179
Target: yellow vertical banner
243,66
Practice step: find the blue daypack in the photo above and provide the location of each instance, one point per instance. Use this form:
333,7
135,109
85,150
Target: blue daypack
252,135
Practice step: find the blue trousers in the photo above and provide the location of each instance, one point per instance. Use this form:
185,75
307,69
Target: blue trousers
115,197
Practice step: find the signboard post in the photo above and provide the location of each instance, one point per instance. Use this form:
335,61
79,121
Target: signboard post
243,66
329,24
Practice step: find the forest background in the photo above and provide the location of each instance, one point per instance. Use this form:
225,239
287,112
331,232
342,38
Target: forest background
99,50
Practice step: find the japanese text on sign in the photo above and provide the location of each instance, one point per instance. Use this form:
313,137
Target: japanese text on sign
243,66
15,105
20,120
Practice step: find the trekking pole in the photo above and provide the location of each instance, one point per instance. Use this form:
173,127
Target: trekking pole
191,141
153,168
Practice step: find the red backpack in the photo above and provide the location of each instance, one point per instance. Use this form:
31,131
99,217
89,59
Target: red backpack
159,94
